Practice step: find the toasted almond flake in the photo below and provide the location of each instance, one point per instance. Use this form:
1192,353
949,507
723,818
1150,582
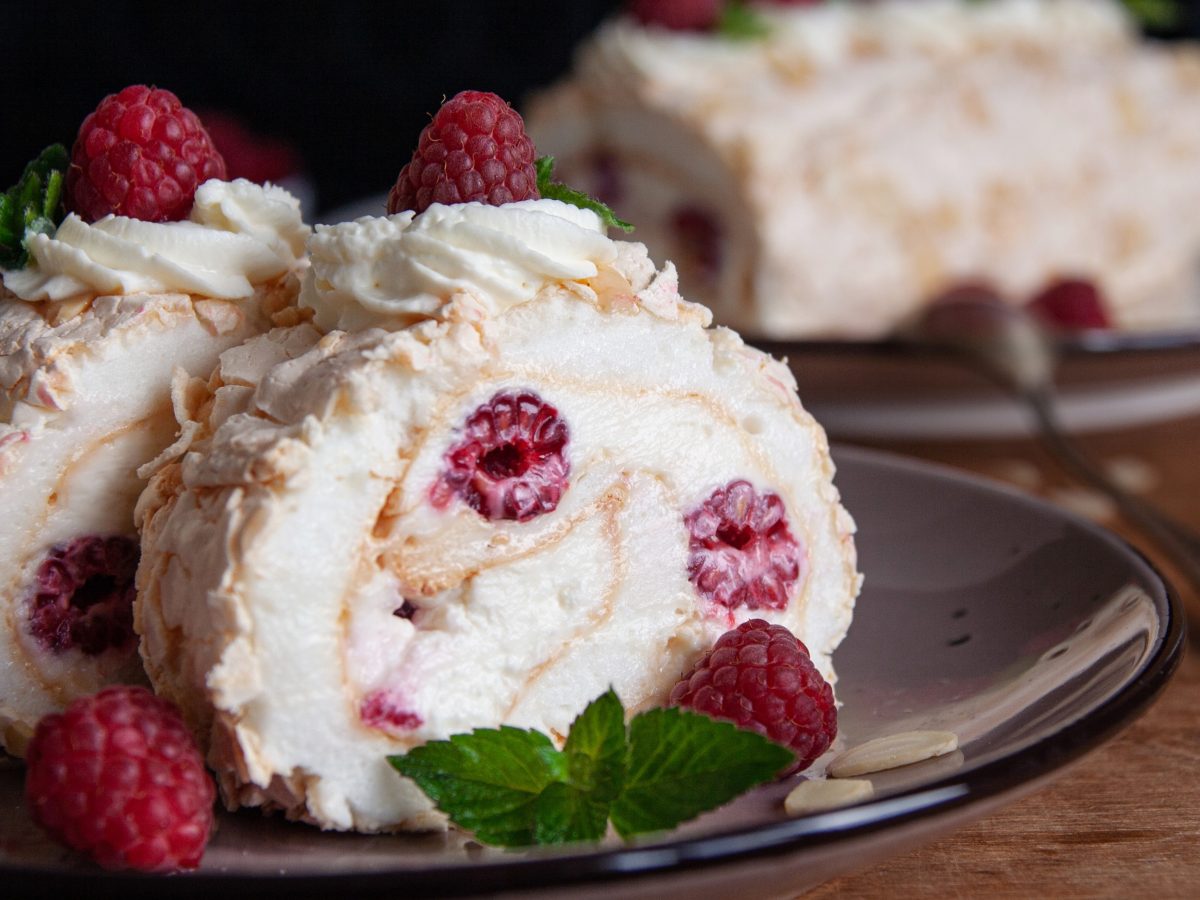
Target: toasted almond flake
816,796
892,752
1085,502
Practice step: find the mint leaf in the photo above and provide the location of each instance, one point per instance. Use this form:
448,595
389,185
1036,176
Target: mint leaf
487,781
1155,14
682,764
512,788
553,190
32,206
740,23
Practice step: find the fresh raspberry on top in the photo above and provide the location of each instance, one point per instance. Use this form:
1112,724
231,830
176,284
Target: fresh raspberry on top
1071,304
475,149
760,678
677,15
83,595
741,551
140,154
117,776
510,462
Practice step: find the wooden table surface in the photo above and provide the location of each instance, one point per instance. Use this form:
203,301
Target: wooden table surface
1124,821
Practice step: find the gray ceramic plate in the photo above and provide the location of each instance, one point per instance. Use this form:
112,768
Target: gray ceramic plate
896,389
1032,634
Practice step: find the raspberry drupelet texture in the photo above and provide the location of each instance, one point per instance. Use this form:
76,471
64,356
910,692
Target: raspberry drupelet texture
741,552
117,776
511,461
141,154
475,149
760,677
83,596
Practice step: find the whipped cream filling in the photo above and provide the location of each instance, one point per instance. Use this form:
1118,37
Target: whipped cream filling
239,235
392,271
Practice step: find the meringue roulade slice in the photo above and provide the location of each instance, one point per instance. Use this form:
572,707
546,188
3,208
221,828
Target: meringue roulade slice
391,536
86,399
859,160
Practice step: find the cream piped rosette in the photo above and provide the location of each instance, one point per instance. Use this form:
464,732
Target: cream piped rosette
90,335
488,513
833,177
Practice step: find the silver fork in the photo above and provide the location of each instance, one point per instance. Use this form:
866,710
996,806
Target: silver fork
1008,345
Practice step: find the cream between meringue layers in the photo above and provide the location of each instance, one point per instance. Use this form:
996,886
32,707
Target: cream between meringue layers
85,397
278,548
397,270
239,235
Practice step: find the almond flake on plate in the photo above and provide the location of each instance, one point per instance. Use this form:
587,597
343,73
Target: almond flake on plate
817,796
892,752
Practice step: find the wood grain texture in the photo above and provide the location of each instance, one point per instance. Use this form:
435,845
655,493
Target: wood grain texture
1124,821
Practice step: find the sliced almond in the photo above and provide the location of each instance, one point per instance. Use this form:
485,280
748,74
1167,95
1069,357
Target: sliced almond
817,796
892,752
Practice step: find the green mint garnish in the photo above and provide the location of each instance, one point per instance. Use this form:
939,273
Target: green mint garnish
32,206
1156,14
553,190
741,23
512,788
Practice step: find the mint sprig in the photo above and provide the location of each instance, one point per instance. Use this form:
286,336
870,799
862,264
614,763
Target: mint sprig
512,788
32,206
1156,14
741,23
554,190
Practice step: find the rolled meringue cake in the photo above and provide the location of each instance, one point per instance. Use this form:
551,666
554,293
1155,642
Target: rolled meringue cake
832,177
507,467
90,334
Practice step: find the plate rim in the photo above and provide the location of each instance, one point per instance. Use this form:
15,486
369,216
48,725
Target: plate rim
1010,774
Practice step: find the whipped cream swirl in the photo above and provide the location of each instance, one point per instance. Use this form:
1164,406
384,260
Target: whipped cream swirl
392,271
239,234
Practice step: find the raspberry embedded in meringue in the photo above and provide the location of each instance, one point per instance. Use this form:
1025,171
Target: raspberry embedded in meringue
511,462
741,552
83,596
386,710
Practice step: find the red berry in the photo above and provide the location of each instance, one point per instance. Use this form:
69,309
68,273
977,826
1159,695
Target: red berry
118,777
387,711
760,678
700,239
247,154
475,149
141,154
741,552
1071,304
511,461
83,595
678,15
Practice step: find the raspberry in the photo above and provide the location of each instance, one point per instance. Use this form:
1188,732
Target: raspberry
84,596
140,154
677,15
117,776
248,154
475,149
741,552
700,239
511,461
387,711
1070,304
760,678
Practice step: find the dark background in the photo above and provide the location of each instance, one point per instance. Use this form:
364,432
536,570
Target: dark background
348,84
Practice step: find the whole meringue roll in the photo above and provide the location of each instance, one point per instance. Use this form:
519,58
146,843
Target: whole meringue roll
91,334
491,516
